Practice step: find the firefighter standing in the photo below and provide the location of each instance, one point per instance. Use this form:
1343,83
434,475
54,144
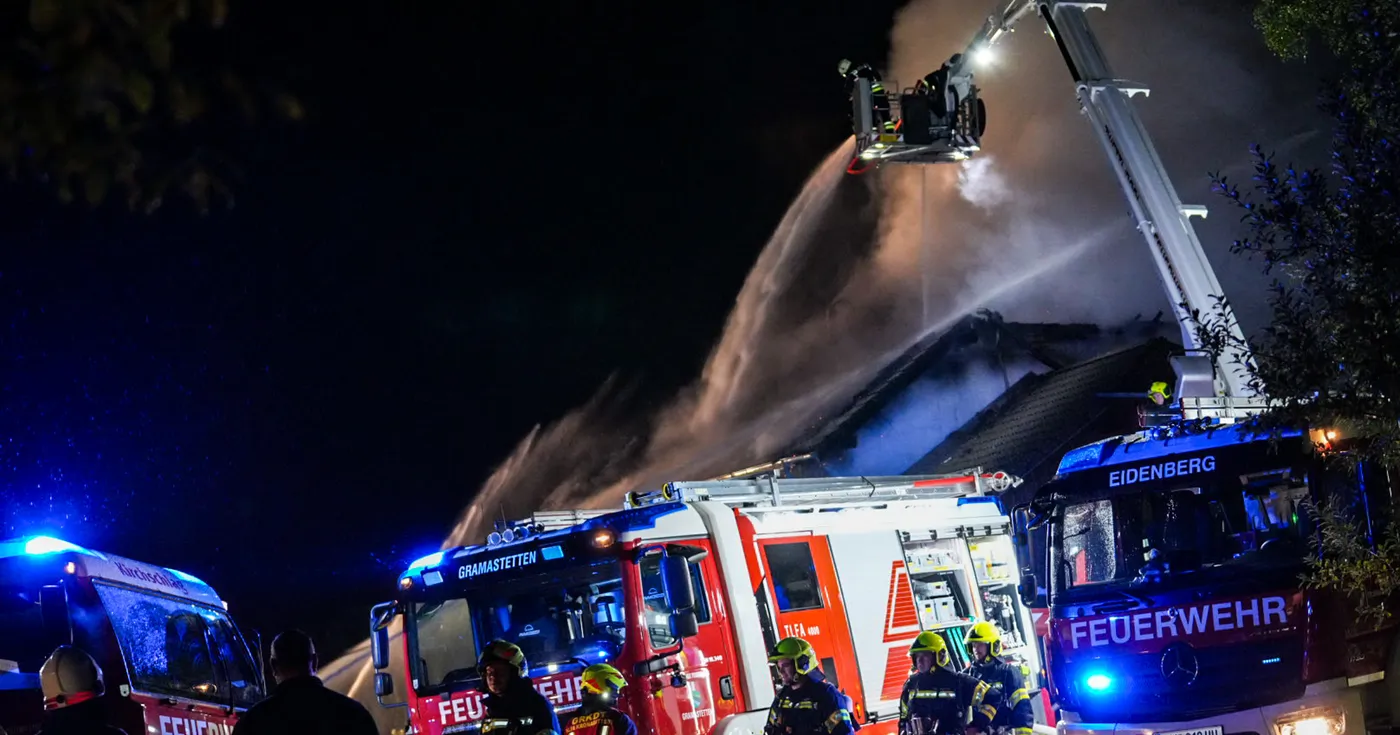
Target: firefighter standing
511,701
806,704
598,715
936,699
72,686
1008,697
879,97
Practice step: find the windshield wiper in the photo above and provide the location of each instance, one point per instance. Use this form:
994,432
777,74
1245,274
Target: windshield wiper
1111,606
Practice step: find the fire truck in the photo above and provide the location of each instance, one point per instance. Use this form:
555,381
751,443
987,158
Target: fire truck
1163,567
1169,561
688,587
173,661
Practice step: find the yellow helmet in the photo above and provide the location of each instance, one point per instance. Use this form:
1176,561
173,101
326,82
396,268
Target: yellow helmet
985,632
603,679
797,650
930,642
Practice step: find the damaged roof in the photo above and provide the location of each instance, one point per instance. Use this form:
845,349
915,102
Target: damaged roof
977,337
1030,427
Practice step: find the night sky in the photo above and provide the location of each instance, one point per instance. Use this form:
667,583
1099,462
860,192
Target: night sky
491,208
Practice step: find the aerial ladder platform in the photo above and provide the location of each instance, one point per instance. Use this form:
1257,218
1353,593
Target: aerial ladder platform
1207,390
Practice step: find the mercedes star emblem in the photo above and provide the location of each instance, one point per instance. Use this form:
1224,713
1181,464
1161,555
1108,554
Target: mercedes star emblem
1180,667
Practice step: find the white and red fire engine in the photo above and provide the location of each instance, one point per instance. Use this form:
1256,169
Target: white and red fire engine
173,661
687,588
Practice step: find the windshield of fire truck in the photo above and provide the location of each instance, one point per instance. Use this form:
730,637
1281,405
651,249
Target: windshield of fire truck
557,618
180,648
1186,529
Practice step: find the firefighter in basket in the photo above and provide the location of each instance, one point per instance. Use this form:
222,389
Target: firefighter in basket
936,699
1008,698
599,714
513,705
806,704
879,96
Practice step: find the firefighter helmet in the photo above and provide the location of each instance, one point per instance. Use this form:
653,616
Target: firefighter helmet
930,642
1159,392
69,676
603,679
506,652
797,650
985,632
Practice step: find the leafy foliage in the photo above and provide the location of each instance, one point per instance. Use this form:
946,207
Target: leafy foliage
1331,355
99,97
1289,25
1342,560
1332,351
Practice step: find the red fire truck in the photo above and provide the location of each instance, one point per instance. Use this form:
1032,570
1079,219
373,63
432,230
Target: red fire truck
172,660
1169,562
687,588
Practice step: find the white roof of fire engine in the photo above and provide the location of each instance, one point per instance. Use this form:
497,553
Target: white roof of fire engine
117,569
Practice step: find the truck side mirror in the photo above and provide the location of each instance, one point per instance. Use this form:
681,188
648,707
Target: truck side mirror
379,617
53,610
1028,589
383,684
680,595
680,592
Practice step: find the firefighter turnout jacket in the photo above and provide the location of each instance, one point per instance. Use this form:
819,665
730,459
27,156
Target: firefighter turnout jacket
520,710
607,721
1008,698
814,708
943,696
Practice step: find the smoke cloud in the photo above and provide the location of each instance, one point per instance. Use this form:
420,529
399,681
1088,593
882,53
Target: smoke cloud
859,267
982,185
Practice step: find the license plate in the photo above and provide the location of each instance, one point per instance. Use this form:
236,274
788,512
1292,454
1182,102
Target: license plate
1217,730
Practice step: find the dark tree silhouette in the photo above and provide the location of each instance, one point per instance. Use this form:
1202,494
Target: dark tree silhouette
102,98
1330,356
1289,25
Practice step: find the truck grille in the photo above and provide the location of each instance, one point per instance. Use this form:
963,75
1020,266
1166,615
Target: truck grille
1184,683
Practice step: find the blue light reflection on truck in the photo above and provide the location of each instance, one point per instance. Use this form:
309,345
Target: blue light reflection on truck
1099,682
40,545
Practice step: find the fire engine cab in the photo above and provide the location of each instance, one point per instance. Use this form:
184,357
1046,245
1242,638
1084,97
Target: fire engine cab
1169,563
686,589
173,661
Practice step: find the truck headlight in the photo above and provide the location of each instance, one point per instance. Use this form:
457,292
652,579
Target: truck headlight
1315,721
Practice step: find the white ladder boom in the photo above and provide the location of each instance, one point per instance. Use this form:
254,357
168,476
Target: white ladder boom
775,492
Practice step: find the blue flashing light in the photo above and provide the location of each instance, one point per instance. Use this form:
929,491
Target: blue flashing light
1083,458
1138,448
550,553
431,560
40,545
976,499
1273,660
634,519
1099,682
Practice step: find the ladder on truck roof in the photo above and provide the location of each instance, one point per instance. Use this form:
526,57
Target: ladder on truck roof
776,492
553,520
